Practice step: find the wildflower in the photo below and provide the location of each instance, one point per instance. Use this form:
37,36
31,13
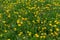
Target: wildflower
5,30
20,33
44,36
57,29
7,11
41,36
9,15
57,22
14,29
36,35
4,21
51,30
24,18
50,24
1,35
19,24
29,33
18,20
55,33
33,21
8,39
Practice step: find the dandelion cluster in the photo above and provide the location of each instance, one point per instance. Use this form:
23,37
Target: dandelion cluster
29,20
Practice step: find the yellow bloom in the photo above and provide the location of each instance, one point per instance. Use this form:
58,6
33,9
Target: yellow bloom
29,33
41,36
38,21
24,18
33,21
44,36
57,22
36,35
7,11
35,15
14,29
19,15
43,28
57,29
55,33
4,21
42,22
19,24
52,33
50,24
5,30
1,35
54,25
51,30
18,20
9,15
8,39
20,33
15,12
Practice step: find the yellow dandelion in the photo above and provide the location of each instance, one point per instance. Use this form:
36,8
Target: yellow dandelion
57,22
8,39
4,21
19,15
26,18
42,33
23,18
52,33
55,33
36,35
18,20
20,33
19,24
38,21
7,11
43,28
50,24
51,30
1,35
33,21
9,15
14,29
54,25
35,15
41,36
57,29
16,12
42,22
29,33
44,36
5,30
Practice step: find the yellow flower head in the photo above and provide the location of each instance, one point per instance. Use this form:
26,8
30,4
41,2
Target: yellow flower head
36,35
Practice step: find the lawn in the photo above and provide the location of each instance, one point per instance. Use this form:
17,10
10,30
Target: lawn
29,19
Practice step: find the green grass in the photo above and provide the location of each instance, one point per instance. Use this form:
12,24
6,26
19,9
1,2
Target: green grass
29,20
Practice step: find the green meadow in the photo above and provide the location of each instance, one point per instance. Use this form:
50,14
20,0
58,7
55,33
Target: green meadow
29,19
